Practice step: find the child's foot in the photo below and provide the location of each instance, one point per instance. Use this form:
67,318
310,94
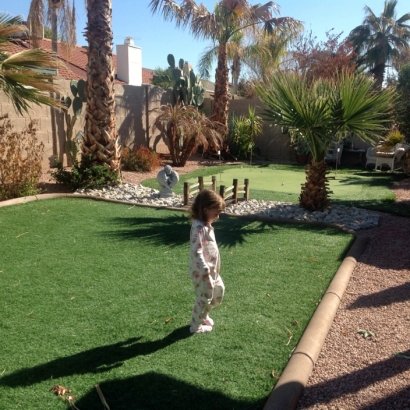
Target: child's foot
200,329
208,321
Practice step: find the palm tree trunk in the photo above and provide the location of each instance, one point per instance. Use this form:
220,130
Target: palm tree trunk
315,193
236,70
54,37
100,133
220,107
187,150
378,74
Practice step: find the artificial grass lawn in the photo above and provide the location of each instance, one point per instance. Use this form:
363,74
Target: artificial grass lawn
352,187
99,293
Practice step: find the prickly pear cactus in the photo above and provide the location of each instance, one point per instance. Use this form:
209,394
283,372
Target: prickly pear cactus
188,89
79,97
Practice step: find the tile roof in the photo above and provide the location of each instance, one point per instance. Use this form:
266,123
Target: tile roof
74,60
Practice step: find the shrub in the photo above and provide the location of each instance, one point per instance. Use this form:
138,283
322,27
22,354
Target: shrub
84,174
242,133
140,159
20,161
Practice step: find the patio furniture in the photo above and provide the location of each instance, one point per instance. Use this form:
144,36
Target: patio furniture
391,158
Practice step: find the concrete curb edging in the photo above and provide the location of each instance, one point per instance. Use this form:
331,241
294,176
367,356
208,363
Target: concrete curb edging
289,388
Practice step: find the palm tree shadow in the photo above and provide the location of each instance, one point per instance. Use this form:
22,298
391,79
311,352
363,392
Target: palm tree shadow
174,230
161,392
96,360
386,297
353,382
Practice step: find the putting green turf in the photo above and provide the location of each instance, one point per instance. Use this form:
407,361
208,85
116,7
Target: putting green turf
99,293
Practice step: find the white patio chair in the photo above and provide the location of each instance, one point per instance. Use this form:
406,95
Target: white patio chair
391,158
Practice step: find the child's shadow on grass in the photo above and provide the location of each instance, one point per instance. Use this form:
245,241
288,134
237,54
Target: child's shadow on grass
161,392
96,360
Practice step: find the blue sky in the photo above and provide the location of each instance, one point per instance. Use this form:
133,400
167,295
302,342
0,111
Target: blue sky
158,38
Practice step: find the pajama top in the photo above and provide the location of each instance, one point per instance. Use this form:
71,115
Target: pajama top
204,252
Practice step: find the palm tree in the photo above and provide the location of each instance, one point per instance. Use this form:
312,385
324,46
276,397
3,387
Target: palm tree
187,128
266,53
379,39
229,17
20,77
100,134
258,52
57,11
315,112
234,50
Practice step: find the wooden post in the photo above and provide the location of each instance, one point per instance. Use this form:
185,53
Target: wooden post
235,191
246,189
214,183
201,183
222,191
186,193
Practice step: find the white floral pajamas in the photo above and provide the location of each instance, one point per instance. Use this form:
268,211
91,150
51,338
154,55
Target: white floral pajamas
204,268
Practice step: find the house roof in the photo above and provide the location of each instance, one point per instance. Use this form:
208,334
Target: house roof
74,60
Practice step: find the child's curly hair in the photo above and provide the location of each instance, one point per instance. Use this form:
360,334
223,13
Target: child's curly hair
206,199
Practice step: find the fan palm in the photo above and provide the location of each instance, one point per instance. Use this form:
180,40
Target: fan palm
315,112
100,134
379,39
228,18
186,129
20,78
60,16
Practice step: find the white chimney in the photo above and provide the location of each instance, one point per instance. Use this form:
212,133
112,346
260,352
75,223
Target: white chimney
129,62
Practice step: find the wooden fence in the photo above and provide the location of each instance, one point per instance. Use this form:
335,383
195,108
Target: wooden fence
229,194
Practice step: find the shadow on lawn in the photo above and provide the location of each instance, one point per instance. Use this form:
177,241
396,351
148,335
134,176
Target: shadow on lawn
161,392
96,360
174,230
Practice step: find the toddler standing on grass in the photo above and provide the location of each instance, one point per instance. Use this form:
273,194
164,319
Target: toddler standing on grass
204,261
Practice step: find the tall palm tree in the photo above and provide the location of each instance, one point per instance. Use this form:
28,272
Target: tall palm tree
61,18
234,51
316,111
228,18
20,78
100,133
253,50
379,39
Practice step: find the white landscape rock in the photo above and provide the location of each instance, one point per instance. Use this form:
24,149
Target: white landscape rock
349,217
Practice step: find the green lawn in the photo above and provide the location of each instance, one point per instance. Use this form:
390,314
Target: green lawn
98,293
363,189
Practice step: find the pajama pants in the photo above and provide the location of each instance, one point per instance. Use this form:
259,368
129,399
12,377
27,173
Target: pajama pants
208,295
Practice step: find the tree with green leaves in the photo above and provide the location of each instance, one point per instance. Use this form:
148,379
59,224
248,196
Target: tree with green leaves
315,112
379,39
20,74
251,51
402,104
228,18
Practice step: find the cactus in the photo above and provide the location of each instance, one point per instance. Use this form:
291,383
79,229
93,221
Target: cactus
187,89
78,91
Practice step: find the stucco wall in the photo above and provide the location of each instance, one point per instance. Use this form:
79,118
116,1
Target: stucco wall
136,109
